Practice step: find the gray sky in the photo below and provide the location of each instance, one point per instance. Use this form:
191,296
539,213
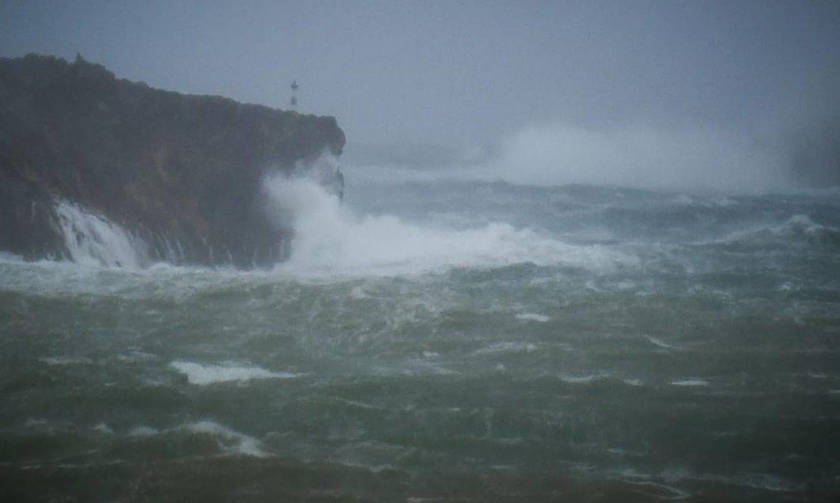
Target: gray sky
464,73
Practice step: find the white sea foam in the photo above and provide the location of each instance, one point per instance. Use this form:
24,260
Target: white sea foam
230,441
787,286
797,226
143,431
800,222
330,239
414,367
690,382
66,360
102,428
507,347
588,379
532,317
659,342
655,490
593,378
136,356
92,239
203,374
764,481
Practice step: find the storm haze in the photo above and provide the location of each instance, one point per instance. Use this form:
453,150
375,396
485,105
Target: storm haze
737,83
496,250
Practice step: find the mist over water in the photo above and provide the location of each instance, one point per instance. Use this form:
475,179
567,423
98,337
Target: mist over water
641,157
696,159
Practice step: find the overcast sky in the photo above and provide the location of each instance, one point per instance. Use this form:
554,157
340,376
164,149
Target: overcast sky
464,73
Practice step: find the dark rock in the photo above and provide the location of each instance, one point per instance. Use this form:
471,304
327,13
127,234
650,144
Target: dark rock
167,167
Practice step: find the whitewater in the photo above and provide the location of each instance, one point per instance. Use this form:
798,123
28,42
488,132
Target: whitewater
438,339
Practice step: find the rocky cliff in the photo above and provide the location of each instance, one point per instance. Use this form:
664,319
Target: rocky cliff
177,172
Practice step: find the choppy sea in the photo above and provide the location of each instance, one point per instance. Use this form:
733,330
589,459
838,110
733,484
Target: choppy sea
436,340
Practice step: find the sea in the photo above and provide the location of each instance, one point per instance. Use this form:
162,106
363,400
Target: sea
438,340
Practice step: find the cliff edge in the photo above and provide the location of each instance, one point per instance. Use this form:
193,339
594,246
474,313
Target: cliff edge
181,174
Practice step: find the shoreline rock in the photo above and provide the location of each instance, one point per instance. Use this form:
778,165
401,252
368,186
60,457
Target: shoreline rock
167,167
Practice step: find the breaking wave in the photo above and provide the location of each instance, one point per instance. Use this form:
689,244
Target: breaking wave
94,240
331,239
203,374
796,229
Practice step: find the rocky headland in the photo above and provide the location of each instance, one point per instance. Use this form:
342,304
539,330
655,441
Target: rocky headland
181,174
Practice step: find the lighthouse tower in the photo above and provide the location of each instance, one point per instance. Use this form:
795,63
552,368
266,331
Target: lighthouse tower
294,100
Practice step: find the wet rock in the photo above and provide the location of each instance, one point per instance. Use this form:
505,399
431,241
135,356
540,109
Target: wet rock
177,171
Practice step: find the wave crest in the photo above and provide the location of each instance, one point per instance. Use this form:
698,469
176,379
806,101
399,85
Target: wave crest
331,239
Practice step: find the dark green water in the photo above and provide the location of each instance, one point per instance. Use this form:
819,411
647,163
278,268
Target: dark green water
444,342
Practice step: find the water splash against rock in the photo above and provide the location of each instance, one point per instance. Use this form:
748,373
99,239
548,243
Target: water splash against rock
331,239
92,239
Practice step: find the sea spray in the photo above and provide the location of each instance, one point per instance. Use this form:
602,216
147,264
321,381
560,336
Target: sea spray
330,238
92,239
642,157
203,374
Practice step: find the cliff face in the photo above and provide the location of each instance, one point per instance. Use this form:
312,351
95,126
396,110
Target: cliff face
165,166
